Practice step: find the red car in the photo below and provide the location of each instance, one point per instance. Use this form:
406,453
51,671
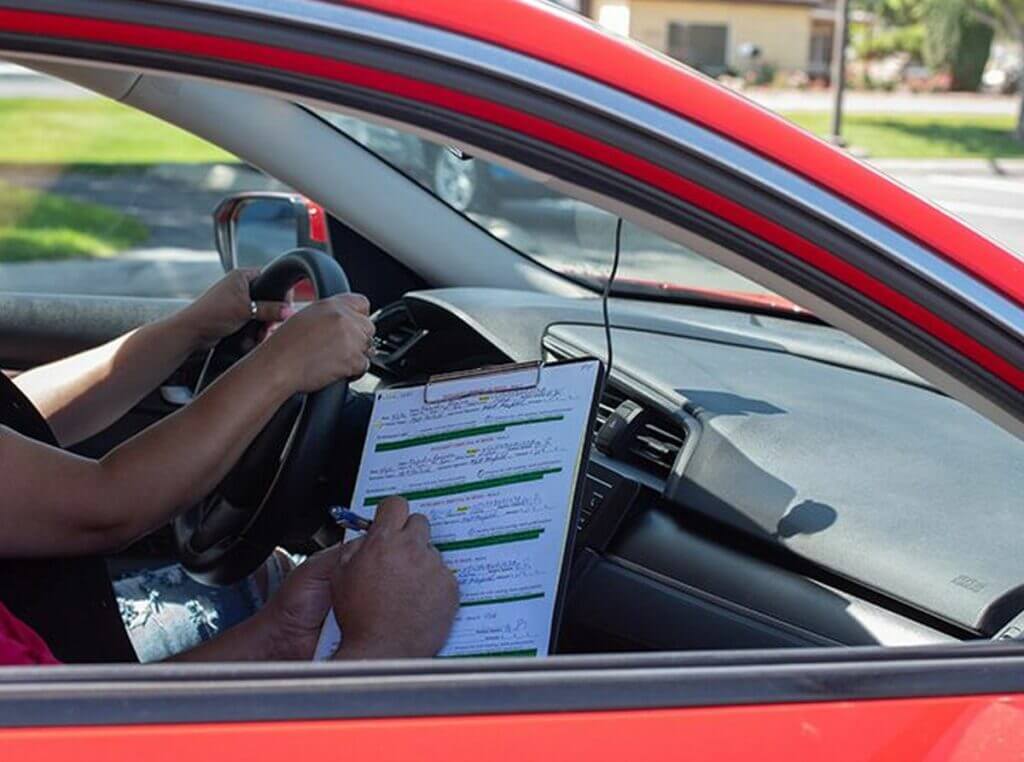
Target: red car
805,549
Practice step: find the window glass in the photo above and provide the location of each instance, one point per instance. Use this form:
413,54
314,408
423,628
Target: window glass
702,46
99,198
564,234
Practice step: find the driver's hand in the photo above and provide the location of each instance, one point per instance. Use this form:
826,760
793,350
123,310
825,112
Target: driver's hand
394,598
327,341
226,307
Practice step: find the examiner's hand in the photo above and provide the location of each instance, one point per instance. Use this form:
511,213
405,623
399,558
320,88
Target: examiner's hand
397,598
294,616
226,306
325,342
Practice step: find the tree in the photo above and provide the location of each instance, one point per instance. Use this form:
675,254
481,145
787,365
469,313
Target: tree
893,12
1005,17
957,40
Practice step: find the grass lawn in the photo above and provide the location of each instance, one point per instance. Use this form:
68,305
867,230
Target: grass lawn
920,136
101,132
94,131
35,225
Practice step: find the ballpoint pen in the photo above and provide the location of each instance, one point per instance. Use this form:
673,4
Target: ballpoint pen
347,519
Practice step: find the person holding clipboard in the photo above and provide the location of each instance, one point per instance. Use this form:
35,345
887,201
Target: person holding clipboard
492,462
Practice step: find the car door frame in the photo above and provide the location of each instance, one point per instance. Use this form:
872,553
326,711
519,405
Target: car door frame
965,334
938,311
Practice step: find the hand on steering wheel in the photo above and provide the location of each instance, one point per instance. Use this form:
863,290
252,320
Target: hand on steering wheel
341,323
272,489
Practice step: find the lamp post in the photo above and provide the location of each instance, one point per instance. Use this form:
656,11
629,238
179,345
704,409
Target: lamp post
839,69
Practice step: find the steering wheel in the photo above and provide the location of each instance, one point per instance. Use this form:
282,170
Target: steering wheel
271,491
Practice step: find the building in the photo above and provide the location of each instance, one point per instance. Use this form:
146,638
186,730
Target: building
718,36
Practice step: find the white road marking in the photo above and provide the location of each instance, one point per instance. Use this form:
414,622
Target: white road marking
981,183
983,210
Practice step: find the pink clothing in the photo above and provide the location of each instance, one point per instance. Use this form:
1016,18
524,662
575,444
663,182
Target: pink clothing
19,644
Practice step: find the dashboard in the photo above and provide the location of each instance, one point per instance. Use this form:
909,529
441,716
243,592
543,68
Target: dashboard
779,484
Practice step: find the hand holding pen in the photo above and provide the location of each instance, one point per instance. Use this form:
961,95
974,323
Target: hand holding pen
347,519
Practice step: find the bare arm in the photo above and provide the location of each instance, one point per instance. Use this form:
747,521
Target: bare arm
57,503
83,394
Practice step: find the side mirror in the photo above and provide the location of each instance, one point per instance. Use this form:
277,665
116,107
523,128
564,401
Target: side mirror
253,229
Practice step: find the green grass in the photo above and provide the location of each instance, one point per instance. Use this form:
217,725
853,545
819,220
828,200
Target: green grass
94,131
35,225
920,136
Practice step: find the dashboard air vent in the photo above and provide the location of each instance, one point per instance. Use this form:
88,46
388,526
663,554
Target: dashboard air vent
607,405
657,446
641,436
396,337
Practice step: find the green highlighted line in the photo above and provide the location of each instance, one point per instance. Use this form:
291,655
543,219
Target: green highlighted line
484,542
510,599
458,489
524,652
494,428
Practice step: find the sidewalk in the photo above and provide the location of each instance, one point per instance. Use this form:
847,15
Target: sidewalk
19,82
860,102
996,167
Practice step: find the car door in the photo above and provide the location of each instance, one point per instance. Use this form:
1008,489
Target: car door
650,141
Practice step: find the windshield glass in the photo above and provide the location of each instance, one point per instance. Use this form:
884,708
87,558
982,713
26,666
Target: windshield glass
569,236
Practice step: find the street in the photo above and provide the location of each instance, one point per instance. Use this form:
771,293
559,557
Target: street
991,202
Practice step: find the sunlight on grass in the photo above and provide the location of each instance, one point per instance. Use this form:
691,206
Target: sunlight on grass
35,225
94,131
922,136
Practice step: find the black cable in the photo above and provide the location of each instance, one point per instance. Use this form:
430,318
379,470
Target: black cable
607,293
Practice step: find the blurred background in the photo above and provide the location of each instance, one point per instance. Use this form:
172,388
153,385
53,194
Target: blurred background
96,198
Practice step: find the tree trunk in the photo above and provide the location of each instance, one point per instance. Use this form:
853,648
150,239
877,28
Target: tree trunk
1020,87
1016,25
1020,118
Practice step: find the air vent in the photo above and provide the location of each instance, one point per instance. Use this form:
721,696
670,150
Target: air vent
607,405
397,334
657,446
652,441
396,337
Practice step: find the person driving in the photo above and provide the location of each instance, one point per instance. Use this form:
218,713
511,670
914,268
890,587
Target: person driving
59,504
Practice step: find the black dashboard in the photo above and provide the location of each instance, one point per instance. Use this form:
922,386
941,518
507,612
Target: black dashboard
783,486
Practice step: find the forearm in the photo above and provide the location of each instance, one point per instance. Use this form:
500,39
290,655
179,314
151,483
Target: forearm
57,503
175,463
83,394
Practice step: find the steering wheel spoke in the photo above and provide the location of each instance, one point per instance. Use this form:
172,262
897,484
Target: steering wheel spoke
219,522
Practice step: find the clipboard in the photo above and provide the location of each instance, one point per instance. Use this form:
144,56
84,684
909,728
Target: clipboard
446,387
504,379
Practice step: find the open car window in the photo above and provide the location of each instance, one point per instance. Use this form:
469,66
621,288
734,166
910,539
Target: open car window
97,198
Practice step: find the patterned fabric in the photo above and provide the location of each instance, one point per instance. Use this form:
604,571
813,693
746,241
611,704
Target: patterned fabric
19,644
167,612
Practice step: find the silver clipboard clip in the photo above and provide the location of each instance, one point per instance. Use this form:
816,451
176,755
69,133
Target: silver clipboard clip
496,379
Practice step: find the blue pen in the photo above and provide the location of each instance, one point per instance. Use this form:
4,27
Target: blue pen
347,519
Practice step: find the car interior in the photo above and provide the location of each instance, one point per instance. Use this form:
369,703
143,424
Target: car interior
780,483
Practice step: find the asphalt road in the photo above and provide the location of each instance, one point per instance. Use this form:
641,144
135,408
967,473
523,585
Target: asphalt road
179,261
992,203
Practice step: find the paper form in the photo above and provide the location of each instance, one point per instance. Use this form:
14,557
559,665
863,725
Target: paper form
495,475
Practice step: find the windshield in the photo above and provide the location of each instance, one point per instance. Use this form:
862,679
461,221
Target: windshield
569,236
